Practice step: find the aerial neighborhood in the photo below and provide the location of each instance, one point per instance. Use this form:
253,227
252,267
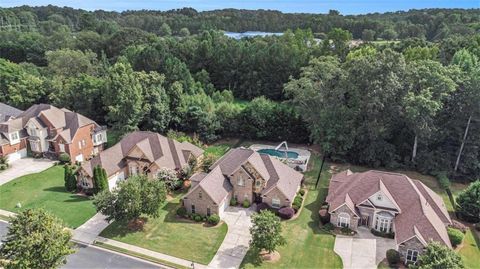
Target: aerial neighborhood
154,135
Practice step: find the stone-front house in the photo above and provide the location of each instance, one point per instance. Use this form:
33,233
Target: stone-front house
389,203
138,153
49,131
243,174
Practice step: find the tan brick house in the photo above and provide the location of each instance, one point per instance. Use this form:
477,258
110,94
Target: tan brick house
138,152
389,203
243,174
48,131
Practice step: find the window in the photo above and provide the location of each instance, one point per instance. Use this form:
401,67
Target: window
84,143
208,212
14,138
343,220
412,255
33,132
275,202
258,183
240,180
379,197
193,209
133,170
61,147
200,195
84,183
80,144
383,224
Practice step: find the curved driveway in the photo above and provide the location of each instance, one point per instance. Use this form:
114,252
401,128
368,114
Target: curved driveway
236,242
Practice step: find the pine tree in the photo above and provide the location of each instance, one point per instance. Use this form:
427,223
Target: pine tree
100,181
69,178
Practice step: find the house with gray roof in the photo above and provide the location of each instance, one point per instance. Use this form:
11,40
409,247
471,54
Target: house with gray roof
389,203
139,152
242,174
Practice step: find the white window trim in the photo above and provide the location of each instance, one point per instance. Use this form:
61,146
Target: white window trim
16,139
240,181
275,204
412,252
343,218
61,147
383,222
79,144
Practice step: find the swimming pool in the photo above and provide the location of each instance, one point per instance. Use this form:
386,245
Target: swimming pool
279,153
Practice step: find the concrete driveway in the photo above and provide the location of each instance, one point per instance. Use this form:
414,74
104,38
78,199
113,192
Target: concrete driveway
362,251
236,242
23,167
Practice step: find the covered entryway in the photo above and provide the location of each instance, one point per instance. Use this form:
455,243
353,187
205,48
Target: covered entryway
17,155
113,180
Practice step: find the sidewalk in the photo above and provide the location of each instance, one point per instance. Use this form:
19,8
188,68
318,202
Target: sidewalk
150,253
88,231
7,213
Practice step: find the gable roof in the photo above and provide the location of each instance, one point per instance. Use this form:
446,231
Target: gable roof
7,112
277,174
422,212
158,149
215,185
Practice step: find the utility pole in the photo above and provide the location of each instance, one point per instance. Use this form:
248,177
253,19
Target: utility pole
320,172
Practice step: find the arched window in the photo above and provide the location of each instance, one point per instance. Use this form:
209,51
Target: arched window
343,220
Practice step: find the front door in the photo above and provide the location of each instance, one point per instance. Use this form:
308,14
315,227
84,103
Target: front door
257,197
364,220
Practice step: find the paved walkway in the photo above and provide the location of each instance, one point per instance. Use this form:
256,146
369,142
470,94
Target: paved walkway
88,232
23,167
150,253
362,251
236,242
7,213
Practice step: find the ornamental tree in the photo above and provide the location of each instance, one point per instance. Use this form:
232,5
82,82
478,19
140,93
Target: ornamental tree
100,181
169,177
266,231
468,202
69,178
133,197
439,256
36,239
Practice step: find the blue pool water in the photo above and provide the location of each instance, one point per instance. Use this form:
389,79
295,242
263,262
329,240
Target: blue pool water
279,153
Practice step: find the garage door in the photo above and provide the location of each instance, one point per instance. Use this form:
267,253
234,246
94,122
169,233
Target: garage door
112,181
17,155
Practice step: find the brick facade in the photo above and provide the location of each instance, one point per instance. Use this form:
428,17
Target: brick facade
202,203
276,194
8,149
245,192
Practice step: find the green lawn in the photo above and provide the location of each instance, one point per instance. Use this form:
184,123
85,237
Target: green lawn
46,190
307,246
169,235
218,150
470,251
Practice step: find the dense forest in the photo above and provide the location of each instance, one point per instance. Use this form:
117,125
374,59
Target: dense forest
408,96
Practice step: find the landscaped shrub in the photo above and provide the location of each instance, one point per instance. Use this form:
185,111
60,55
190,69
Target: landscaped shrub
459,226
346,230
246,203
286,212
456,236
297,203
181,211
64,158
393,257
324,216
197,218
233,202
382,234
301,192
262,206
328,227
3,163
214,219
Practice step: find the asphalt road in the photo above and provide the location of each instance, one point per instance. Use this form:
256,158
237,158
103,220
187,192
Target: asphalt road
93,257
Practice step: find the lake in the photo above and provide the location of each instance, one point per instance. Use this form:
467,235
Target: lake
236,35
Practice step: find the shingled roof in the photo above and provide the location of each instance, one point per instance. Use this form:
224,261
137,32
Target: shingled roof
422,212
7,112
275,173
163,151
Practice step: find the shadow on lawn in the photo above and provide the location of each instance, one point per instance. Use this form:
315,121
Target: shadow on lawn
55,189
75,198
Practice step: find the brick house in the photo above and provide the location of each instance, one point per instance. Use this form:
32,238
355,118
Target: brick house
389,203
243,174
11,144
138,152
49,131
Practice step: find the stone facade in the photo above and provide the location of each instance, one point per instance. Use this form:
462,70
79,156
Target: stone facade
412,244
203,204
240,192
276,194
344,209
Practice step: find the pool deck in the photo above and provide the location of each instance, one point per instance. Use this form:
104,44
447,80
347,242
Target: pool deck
301,161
